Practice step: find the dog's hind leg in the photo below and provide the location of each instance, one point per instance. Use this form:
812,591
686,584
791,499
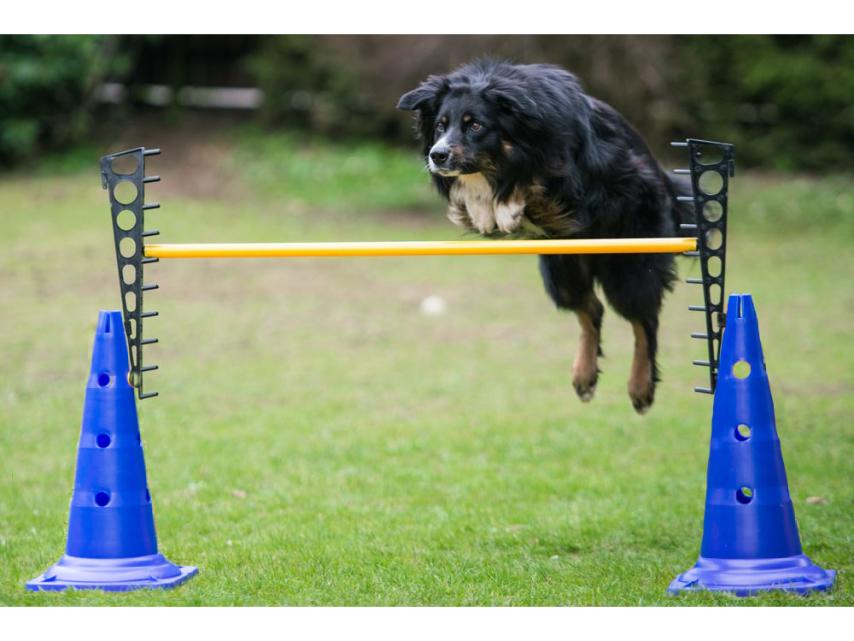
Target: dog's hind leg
644,372
585,369
569,282
635,287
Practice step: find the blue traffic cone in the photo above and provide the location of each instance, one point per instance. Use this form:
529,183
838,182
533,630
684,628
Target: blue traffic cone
111,540
750,536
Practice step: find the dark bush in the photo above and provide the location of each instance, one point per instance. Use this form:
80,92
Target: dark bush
47,85
308,87
787,101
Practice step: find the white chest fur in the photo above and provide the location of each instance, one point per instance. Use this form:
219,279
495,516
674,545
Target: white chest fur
473,204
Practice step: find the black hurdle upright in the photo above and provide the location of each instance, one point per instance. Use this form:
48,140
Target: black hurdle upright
710,166
129,233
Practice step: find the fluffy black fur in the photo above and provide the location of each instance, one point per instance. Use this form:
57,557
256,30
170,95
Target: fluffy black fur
578,167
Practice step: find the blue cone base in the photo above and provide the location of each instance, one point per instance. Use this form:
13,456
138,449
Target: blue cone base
112,575
745,577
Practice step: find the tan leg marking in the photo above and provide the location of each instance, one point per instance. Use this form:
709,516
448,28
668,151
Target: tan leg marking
585,372
641,386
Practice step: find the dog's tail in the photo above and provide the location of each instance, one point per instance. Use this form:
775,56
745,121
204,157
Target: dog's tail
683,211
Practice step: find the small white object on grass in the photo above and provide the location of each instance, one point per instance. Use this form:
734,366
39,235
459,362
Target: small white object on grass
433,306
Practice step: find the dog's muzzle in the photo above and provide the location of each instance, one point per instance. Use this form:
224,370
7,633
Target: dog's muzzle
442,160
440,155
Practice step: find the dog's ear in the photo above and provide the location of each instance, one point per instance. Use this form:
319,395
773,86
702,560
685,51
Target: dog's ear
513,98
425,95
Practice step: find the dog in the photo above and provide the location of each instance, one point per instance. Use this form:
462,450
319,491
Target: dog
521,151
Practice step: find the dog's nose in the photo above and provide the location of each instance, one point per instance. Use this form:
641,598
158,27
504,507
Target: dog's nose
440,155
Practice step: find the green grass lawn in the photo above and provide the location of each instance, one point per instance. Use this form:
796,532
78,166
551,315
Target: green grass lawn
318,440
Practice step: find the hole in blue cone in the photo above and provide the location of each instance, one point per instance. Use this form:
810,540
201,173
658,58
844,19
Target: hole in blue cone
138,438
102,498
744,494
104,379
741,369
742,432
103,440
147,495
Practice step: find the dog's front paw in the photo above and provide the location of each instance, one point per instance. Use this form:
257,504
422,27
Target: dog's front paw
508,216
482,216
484,226
459,217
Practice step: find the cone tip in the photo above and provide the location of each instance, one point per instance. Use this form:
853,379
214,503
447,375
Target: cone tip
108,321
110,351
741,306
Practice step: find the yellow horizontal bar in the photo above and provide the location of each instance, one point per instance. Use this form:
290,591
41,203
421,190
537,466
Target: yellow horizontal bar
422,248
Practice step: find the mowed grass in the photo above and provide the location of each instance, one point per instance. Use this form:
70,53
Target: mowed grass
319,440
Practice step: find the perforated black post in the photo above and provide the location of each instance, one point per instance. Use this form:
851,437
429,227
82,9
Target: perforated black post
711,165
128,209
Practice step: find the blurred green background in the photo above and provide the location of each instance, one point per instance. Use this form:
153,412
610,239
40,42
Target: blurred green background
319,439
786,101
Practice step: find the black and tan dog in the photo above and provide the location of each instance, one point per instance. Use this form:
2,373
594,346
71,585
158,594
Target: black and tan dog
521,151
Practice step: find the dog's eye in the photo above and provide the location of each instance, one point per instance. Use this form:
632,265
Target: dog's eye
440,127
475,126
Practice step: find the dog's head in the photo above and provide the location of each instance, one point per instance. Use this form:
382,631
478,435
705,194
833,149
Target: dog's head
469,120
